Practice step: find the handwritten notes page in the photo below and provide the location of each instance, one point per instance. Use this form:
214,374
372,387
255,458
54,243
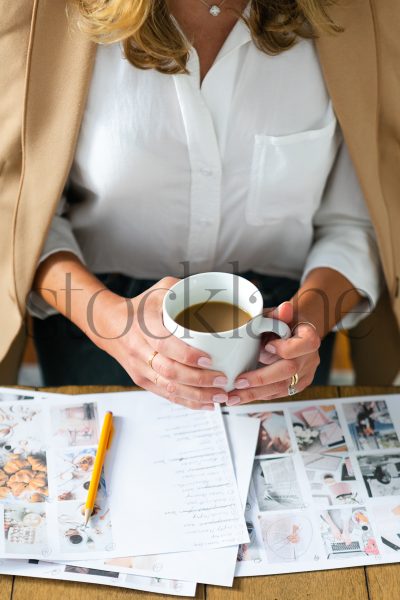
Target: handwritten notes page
170,477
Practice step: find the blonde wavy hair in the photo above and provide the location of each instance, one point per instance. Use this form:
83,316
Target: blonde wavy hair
151,39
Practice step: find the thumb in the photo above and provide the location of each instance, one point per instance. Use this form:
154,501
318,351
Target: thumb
283,312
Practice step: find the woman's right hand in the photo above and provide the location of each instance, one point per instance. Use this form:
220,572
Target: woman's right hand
132,330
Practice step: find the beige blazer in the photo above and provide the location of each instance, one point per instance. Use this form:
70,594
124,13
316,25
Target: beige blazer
44,78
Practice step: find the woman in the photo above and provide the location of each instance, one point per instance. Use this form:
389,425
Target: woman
211,120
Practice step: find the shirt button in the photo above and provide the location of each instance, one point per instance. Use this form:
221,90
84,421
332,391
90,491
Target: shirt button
206,172
205,221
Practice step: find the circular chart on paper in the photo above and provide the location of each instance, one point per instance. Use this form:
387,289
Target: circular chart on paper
289,537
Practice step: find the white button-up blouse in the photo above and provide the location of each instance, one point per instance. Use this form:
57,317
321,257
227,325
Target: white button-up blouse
247,168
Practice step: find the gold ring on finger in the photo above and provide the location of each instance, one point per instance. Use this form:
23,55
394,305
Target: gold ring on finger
294,380
152,357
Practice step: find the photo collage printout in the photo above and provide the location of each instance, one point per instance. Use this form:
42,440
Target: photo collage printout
46,460
325,489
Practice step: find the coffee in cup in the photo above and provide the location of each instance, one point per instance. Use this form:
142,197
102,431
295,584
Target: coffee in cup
212,317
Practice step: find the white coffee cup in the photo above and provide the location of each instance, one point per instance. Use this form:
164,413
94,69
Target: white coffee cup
232,352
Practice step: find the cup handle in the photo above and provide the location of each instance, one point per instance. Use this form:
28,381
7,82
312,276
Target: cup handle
262,324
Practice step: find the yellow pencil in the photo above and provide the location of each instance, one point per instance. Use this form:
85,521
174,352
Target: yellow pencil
104,444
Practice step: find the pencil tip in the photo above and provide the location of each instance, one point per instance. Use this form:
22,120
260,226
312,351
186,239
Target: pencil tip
88,512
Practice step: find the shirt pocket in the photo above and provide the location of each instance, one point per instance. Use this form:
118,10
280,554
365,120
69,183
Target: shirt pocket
289,173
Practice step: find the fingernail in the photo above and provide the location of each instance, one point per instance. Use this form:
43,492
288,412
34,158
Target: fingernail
241,384
270,348
267,357
233,400
220,381
220,398
208,407
204,361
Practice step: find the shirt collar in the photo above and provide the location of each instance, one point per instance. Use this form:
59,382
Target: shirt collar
239,36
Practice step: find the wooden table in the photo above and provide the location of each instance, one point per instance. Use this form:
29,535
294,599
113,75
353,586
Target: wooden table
359,583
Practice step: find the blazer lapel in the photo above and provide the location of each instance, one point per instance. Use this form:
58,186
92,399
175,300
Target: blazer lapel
349,64
60,61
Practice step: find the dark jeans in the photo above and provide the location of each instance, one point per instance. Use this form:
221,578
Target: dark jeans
68,357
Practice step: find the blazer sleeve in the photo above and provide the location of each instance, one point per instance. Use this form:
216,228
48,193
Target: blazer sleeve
59,238
344,237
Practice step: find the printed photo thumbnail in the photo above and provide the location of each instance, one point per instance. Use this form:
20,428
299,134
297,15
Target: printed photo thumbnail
146,562
347,533
74,469
23,476
75,425
371,425
317,429
89,571
250,550
381,474
21,429
168,586
287,537
75,537
24,528
273,437
332,479
14,397
387,518
275,484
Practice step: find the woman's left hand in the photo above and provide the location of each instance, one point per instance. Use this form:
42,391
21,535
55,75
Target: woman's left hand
284,359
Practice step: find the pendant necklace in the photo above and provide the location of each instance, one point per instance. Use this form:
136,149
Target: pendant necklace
213,9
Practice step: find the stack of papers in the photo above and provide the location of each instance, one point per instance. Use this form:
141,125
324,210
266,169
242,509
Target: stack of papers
192,497
169,499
